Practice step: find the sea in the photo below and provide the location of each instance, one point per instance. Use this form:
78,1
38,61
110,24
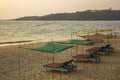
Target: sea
13,32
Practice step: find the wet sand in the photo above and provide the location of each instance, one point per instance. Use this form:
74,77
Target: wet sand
24,64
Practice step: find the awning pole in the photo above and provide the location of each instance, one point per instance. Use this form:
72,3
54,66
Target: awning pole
53,49
71,44
19,61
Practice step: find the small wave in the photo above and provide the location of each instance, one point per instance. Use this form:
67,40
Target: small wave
15,42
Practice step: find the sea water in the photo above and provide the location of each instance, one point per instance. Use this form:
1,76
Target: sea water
18,31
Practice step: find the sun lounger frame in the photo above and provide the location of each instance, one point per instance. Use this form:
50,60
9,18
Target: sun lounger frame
102,50
62,68
94,58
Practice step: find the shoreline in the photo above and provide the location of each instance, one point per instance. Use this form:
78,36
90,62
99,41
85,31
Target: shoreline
24,42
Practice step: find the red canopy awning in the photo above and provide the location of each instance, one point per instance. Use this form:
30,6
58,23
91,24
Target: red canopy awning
96,36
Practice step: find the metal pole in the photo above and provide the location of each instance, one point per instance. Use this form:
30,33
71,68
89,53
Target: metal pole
53,49
76,36
116,41
19,62
76,49
82,50
53,57
71,44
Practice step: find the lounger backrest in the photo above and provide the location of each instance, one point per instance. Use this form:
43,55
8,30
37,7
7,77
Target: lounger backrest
67,62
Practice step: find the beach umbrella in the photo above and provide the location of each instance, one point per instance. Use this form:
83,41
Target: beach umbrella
52,48
94,37
92,31
80,32
78,42
98,35
108,33
104,30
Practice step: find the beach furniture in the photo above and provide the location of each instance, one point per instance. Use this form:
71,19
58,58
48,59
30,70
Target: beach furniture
82,42
104,50
86,57
108,48
79,42
63,67
93,50
97,37
54,49
97,50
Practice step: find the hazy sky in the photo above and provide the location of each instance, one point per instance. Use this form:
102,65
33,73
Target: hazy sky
18,8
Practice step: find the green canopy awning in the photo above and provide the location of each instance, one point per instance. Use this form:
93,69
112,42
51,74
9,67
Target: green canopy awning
80,42
83,42
52,48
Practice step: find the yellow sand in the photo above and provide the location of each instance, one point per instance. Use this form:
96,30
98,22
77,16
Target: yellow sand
24,64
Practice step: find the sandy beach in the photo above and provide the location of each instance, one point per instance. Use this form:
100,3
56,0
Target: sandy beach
24,64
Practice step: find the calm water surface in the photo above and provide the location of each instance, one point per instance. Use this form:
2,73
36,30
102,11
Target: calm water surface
11,31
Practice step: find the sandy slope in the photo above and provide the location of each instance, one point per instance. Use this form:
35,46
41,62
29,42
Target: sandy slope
24,64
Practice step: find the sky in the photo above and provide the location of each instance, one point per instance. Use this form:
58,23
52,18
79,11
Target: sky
10,9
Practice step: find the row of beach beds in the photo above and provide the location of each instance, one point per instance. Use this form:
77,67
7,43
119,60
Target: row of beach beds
92,54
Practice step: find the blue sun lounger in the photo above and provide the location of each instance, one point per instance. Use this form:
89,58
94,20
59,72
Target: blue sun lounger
63,67
96,50
101,50
108,48
86,57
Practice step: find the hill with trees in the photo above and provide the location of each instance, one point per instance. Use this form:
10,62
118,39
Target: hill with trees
83,15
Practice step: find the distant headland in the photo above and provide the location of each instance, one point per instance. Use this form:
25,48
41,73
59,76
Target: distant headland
107,14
